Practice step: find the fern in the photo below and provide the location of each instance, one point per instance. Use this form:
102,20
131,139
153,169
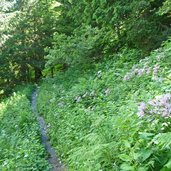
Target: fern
163,140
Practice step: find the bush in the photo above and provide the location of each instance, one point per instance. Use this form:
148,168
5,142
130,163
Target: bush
20,146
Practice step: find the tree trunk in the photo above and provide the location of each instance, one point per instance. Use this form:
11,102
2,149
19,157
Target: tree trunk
24,73
38,74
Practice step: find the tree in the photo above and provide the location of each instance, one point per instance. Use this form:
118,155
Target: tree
27,34
119,23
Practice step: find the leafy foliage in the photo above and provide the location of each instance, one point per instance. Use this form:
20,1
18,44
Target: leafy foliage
20,146
166,8
102,28
80,47
74,32
91,108
92,114
24,38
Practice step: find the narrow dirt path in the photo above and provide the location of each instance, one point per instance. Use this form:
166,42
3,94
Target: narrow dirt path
53,159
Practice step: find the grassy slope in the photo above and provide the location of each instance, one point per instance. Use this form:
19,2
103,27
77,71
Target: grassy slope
20,146
92,114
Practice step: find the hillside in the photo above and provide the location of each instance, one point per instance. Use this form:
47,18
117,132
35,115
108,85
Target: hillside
85,85
20,144
114,115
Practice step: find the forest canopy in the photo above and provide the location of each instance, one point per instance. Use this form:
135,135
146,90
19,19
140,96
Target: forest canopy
39,37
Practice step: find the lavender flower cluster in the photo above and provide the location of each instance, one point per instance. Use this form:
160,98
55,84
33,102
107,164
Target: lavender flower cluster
161,105
91,94
146,70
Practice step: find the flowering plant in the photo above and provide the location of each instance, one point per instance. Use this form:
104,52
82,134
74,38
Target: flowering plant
160,105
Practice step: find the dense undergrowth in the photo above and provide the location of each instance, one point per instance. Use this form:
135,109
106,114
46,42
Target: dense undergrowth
20,146
109,108
114,115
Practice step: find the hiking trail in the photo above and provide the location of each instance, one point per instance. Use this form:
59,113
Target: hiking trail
53,160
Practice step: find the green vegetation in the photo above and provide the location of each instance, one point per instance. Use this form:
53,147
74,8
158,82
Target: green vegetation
20,146
28,28
69,31
93,117
103,70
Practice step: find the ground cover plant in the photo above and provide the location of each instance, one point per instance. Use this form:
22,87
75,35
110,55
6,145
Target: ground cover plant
114,115
20,144
104,75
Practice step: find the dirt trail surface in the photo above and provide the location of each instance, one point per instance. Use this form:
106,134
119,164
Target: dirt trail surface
53,159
